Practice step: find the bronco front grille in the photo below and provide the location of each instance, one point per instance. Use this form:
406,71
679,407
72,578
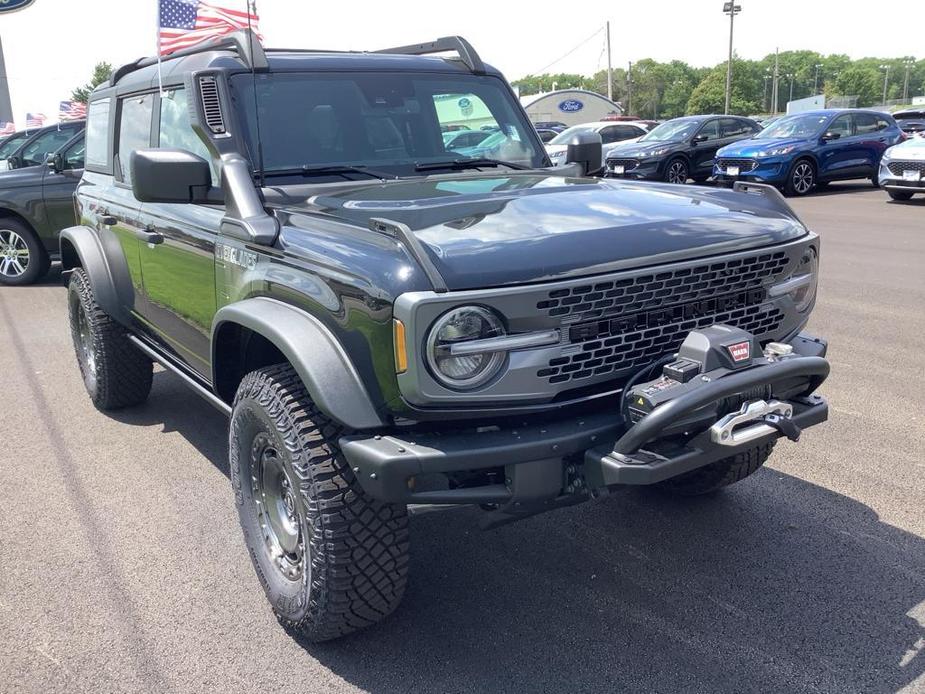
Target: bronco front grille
898,167
656,289
745,165
619,325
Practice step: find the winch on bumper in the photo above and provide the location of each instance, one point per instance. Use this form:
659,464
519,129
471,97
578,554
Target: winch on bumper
719,395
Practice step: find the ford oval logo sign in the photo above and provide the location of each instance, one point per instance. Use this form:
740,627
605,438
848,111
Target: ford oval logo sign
13,5
571,106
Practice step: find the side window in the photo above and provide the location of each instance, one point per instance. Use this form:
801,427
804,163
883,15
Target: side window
865,123
37,151
710,130
733,127
842,125
610,134
176,130
98,156
883,123
134,130
75,154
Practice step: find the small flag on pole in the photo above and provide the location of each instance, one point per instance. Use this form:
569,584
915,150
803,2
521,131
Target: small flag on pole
35,120
7,128
184,23
71,110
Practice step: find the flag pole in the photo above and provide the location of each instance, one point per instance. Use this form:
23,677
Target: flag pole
160,81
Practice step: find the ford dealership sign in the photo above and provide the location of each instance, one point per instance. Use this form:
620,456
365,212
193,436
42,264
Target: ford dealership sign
571,106
13,5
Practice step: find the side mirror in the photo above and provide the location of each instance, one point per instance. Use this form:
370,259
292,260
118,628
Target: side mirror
830,136
170,175
55,163
697,139
14,162
587,150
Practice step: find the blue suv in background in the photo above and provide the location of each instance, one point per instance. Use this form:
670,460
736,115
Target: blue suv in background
805,150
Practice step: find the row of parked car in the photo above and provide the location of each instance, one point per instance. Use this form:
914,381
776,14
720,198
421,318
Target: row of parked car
797,153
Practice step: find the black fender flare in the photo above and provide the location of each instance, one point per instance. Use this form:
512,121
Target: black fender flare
112,287
319,359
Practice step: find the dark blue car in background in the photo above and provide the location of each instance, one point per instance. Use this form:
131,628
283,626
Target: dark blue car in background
805,150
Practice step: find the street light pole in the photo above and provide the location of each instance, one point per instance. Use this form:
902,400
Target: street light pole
909,64
767,106
816,81
731,9
629,89
790,77
609,67
775,89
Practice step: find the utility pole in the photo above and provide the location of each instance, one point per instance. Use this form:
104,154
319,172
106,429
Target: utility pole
906,81
731,9
791,76
629,90
816,81
609,67
776,83
767,105
886,81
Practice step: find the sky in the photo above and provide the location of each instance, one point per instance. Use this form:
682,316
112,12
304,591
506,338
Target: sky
52,46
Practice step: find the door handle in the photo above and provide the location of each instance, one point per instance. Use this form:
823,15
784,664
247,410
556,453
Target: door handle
108,220
148,235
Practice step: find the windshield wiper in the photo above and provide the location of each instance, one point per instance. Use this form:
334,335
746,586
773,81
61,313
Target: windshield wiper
473,163
333,169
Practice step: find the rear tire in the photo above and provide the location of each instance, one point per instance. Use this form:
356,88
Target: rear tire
23,258
900,195
713,477
331,558
801,179
115,373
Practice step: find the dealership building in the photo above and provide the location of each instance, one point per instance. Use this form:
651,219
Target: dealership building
569,106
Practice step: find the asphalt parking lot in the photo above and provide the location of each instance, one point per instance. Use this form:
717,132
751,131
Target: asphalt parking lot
122,566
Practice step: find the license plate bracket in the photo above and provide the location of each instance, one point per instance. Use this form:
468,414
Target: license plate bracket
912,175
732,170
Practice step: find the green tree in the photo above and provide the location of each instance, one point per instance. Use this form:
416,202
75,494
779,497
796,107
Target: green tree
101,73
865,82
709,96
536,84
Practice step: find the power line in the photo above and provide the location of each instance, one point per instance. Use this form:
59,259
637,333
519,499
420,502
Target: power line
558,60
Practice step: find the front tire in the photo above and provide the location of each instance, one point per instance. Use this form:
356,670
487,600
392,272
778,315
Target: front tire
900,195
677,171
23,259
114,372
801,179
331,558
713,477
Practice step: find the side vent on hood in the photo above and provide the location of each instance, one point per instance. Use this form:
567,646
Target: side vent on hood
211,105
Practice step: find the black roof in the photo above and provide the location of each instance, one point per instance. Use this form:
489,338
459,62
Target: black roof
231,53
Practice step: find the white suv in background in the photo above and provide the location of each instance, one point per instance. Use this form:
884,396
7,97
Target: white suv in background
611,132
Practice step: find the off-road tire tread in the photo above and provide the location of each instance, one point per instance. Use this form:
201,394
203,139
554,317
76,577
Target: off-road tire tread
713,477
359,545
123,373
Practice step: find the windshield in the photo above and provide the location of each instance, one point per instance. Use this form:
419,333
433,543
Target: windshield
672,131
563,137
793,126
12,144
390,122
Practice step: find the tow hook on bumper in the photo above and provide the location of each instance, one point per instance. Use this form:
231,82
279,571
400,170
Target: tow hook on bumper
724,431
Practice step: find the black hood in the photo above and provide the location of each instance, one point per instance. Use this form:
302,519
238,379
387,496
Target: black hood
490,230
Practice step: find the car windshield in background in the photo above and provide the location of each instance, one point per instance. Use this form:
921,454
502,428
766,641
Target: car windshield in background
672,131
386,122
566,135
793,126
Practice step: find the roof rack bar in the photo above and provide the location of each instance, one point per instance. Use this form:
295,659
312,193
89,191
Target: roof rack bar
244,42
448,43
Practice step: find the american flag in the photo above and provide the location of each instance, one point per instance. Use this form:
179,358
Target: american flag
72,110
184,23
7,128
35,120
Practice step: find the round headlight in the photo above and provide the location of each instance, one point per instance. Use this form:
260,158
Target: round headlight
805,295
467,368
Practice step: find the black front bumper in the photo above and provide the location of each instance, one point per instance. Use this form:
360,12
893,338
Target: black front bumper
564,461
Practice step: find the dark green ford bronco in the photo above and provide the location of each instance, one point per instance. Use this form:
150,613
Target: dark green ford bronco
395,326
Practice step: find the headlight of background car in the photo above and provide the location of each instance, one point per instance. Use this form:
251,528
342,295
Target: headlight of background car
777,151
801,285
887,155
467,368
